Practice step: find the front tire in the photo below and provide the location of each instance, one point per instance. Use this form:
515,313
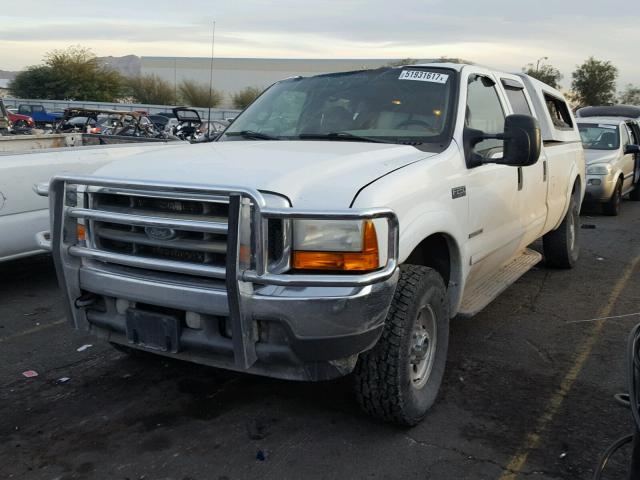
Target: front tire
562,246
398,380
612,207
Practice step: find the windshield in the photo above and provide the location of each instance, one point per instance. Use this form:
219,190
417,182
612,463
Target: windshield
410,105
597,136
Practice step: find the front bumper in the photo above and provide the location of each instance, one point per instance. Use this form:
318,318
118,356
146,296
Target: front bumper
303,327
599,188
311,333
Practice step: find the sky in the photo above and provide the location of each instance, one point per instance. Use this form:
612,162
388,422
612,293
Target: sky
502,34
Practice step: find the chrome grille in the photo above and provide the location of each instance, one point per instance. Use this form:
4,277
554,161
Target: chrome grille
143,225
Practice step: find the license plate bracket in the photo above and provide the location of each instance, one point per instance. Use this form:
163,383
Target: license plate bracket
153,330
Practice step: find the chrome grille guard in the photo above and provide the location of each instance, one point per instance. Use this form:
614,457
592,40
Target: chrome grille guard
245,205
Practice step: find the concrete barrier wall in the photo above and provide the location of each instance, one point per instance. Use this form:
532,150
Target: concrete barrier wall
19,143
23,143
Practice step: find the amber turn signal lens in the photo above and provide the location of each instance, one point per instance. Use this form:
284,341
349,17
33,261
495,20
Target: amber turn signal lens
366,260
81,233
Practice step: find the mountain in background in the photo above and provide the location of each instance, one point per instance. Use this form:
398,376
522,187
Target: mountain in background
8,74
129,65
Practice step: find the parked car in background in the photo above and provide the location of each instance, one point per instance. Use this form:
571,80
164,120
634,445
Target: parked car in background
188,123
163,123
79,124
631,115
39,114
336,226
611,147
33,160
21,123
108,122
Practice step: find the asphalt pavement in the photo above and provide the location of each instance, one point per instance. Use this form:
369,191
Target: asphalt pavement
528,391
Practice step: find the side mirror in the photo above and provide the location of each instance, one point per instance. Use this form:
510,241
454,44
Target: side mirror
634,149
522,142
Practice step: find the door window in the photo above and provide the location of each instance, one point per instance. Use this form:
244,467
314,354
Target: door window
485,113
625,136
632,136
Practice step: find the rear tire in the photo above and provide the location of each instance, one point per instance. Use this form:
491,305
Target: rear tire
635,193
398,380
612,207
562,246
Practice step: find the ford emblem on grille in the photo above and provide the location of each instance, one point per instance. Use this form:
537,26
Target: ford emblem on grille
159,233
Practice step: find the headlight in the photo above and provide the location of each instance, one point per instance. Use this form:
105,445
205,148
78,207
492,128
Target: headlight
337,245
599,169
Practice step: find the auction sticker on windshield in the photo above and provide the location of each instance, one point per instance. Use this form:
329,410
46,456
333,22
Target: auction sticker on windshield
423,76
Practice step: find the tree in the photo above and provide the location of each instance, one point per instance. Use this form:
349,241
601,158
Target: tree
594,83
444,59
630,95
70,74
544,72
152,89
244,97
198,94
402,62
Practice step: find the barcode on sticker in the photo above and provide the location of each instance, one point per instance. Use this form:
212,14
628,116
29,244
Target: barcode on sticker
423,76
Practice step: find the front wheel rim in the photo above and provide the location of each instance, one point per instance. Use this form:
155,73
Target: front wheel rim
423,347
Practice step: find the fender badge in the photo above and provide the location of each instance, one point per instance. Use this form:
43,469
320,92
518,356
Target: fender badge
457,192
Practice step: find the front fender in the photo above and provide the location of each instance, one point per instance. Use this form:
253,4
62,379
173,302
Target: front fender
415,229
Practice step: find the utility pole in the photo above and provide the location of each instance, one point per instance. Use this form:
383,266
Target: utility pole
213,42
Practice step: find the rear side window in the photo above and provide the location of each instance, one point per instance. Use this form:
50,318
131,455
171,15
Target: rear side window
518,100
559,112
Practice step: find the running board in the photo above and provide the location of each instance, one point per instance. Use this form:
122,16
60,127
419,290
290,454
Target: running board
481,295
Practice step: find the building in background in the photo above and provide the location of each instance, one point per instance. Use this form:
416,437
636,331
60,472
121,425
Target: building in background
231,75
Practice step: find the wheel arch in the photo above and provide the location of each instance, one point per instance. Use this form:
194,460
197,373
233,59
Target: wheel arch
441,252
575,193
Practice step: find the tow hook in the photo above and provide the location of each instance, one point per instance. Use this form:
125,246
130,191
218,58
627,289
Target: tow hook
85,300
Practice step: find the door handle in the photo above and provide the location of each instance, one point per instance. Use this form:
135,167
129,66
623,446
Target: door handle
519,178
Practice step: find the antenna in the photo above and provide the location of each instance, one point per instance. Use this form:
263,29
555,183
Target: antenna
213,42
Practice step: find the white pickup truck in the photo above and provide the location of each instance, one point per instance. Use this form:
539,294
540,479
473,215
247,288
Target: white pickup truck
336,226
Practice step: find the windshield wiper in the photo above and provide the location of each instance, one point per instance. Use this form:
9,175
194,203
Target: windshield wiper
340,136
351,137
251,135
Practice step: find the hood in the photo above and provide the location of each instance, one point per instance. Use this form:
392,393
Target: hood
600,156
311,174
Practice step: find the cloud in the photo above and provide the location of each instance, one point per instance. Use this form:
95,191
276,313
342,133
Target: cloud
506,34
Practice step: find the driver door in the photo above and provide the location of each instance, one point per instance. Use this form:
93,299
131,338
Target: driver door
495,228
